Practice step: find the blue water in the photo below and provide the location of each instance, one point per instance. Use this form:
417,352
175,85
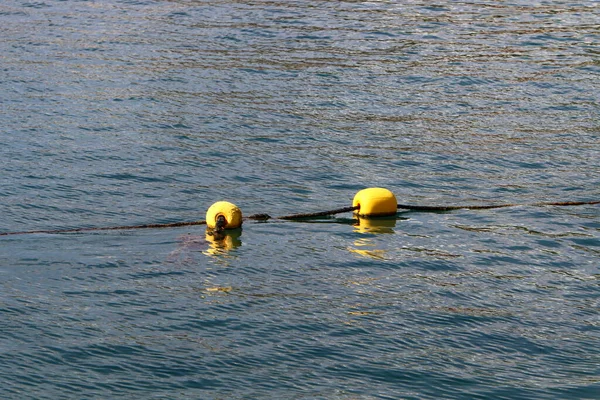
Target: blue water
122,112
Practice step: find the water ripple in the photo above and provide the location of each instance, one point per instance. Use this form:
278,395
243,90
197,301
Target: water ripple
126,112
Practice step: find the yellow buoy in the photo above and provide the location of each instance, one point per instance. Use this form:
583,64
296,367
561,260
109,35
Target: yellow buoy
231,213
375,202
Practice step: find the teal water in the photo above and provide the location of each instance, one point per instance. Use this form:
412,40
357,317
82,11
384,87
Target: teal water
137,112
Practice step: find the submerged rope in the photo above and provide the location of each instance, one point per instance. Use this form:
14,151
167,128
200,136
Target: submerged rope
291,217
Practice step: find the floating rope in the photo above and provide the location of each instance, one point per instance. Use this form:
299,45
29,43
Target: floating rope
319,214
375,199
490,206
110,228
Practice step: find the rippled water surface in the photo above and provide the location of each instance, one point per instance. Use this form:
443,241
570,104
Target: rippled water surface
120,113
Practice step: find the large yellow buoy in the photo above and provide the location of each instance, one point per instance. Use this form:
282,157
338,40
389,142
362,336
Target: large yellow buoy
375,202
231,213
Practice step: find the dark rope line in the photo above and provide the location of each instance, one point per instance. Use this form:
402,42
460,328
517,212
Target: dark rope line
490,206
450,208
319,214
265,217
110,228
259,217
567,203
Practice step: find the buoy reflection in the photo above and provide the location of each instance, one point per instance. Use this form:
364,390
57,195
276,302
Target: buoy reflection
375,225
365,245
222,242
362,248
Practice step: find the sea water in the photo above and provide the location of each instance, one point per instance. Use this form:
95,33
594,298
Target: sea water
120,112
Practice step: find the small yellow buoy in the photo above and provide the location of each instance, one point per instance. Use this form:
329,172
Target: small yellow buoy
375,202
232,214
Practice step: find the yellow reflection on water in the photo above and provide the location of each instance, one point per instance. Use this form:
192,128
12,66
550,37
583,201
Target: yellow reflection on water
378,254
364,246
375,225
222,243
216,246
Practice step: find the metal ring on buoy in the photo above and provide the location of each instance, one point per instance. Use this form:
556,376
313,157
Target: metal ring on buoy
375,202
229,211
